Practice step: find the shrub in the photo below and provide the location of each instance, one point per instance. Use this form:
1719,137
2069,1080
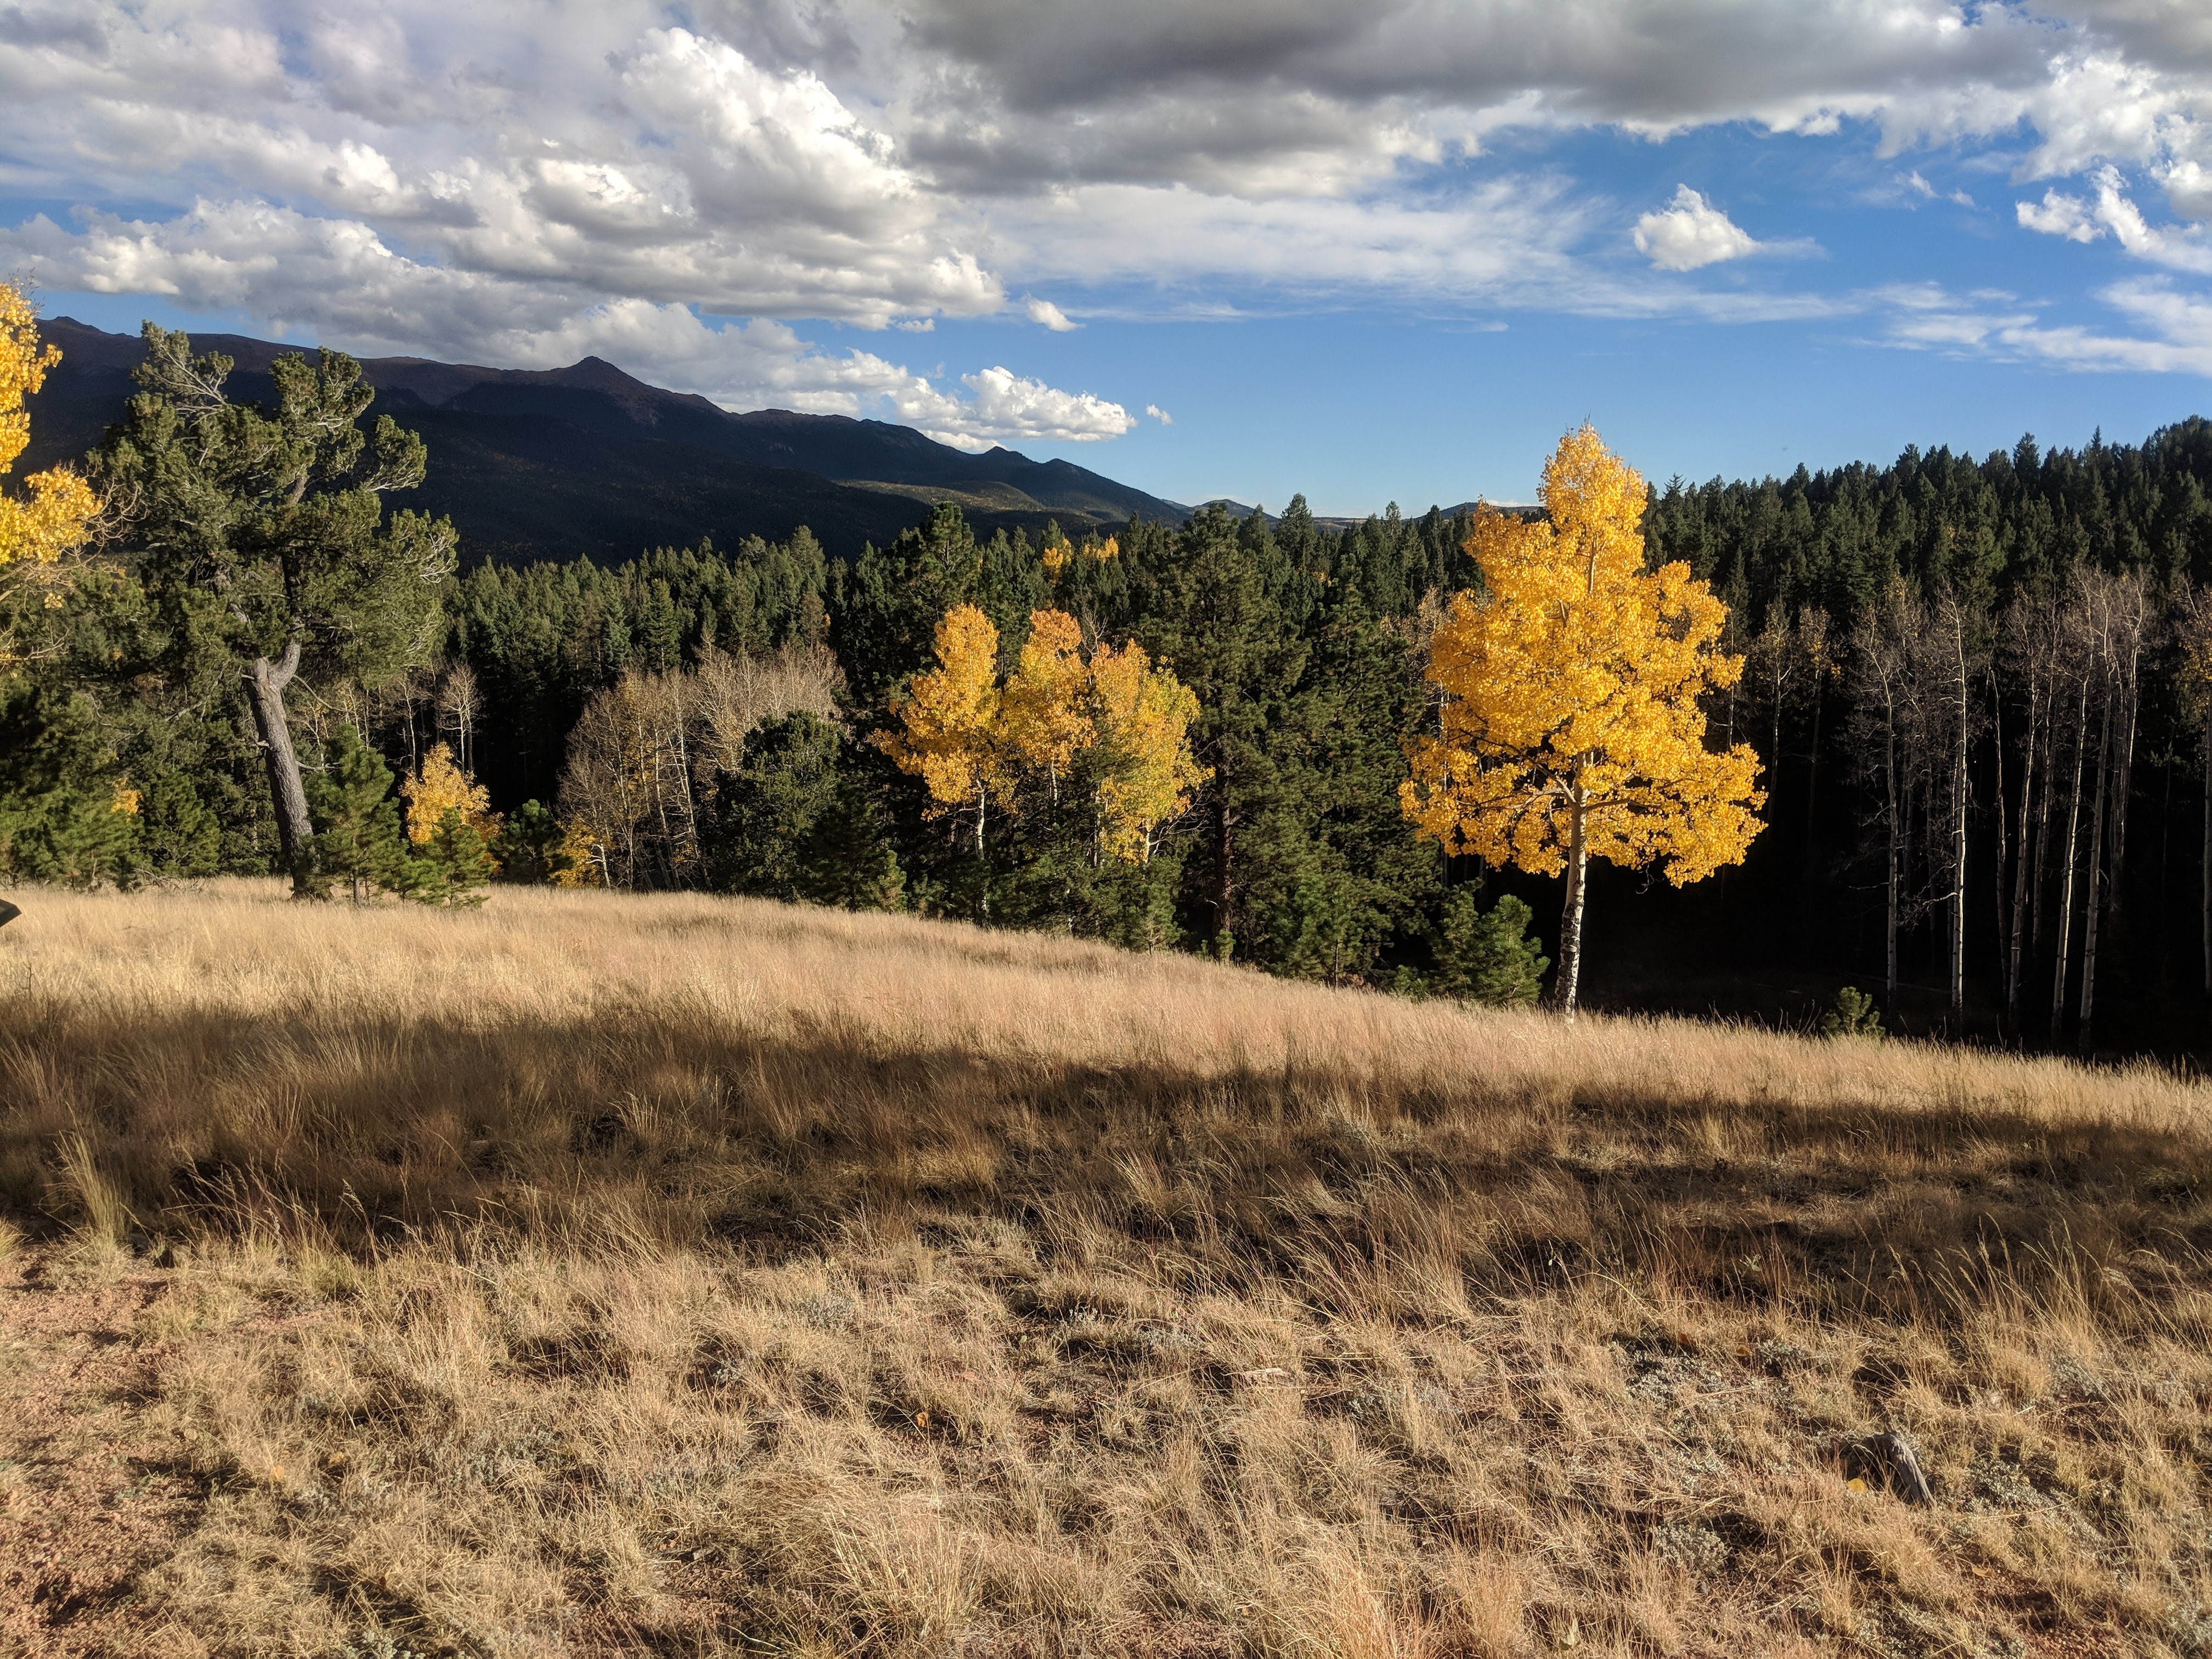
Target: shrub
1854,1014
1485,956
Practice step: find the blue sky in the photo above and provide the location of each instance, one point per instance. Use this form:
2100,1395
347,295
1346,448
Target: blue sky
1374,253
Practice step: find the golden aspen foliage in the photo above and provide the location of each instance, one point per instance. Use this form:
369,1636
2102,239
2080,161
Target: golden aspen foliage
441,786
1143,718
950,718
40,529
1042,720
1059,552
586,854
1122,724
1572,726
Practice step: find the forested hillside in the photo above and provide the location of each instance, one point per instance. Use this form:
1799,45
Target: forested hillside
1976,689
587,461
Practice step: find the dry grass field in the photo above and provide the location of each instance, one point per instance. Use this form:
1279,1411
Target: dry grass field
587,1275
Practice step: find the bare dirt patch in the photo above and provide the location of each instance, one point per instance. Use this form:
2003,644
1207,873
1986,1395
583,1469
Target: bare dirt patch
93,1494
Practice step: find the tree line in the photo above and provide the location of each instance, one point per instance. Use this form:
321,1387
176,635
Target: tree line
1969,692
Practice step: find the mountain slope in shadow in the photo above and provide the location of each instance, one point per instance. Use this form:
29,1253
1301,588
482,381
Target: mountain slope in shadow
588,460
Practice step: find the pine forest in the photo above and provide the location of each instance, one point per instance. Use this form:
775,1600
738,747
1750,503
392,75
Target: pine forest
1923,745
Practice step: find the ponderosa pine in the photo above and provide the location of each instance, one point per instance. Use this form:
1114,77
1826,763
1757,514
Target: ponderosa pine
260,537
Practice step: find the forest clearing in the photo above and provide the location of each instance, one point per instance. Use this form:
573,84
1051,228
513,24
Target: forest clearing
596,1273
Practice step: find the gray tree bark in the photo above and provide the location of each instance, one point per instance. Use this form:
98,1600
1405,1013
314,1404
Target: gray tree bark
2083,1038
264,690
2066,869
1958,815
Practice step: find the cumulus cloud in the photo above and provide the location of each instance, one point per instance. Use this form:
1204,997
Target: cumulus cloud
2114,212
1689,232
1159,414
1004,405
427,176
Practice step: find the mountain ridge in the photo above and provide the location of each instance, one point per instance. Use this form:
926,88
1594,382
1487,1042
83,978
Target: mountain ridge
660,468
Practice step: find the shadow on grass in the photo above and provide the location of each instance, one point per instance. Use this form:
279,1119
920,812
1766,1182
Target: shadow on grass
679,1132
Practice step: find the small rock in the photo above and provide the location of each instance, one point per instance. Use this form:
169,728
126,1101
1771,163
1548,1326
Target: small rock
1888,1459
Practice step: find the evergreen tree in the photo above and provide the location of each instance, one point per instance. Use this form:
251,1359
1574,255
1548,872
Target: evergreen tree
1485,956
1213,609
794,822
357,835
66,813
529,847
177,833
759,834
261,538
455,865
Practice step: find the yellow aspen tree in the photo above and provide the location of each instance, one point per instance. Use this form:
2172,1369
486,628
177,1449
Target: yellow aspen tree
38,530
1572,726
1059,552
950,721
1041,718
1056,557
441,786
584,855
1142,718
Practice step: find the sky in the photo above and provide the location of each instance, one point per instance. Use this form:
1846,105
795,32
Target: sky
1373,251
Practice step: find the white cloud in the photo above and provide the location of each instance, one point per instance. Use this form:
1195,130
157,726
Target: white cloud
2115,212
1920,186
1690,233
334,282
2174,328
2060,214
1159,414
1004,405
435,176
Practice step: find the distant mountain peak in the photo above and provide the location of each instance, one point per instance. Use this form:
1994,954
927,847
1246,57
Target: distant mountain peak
587,458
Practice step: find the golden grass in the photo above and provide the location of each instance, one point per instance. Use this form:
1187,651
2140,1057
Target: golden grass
591,1274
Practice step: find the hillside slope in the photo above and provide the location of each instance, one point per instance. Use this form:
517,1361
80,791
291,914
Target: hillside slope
668,1275
668,467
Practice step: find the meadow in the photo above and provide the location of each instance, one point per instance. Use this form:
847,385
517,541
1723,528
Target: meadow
591,1274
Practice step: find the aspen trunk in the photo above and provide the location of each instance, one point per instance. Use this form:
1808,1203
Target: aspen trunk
2066,870
1997,872
1812,767
983,870
2022,865
1889,773
264,690
2123,774
1959,832
2041,879
2204,888
2122,785
2083,1037
683,781
1571,919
